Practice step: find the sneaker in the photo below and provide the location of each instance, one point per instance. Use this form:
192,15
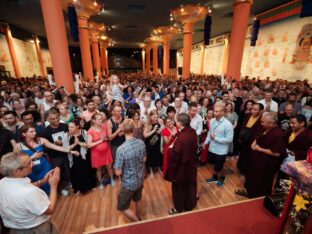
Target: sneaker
212,180
64,192
101,187
221,183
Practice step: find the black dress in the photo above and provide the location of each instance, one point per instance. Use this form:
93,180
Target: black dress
154,157
82,174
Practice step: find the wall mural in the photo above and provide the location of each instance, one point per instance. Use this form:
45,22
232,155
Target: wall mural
283,51
5,58
26,57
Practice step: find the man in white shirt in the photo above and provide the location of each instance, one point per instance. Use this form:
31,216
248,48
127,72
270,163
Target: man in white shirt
268,103
145,108
196,119
24,207
178,106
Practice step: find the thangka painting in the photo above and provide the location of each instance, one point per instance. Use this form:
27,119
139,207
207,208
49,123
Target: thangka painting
5,57
283,51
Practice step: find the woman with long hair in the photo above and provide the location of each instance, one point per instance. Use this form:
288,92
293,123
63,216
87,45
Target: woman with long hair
82,176
138,125
101,154
169,135
160,109
33,146
152,134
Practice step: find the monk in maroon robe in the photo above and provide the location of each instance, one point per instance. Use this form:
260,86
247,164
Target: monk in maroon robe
250,130
299,140
268,151
182,170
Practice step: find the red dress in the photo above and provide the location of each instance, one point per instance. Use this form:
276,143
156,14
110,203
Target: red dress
101,155
166,132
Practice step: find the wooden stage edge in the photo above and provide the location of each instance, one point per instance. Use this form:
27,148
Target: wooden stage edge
170,216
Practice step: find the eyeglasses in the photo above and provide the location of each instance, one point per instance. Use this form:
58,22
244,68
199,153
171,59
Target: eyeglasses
30,163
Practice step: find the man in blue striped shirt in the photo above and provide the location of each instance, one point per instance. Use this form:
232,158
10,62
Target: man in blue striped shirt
219,138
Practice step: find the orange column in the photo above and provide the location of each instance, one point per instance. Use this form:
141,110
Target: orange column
102,56
37,45
85,47
143,60
57,41
9,39
238,34
187,50
155,58
95,52
106,61
202,58
225,53
148,60
166,55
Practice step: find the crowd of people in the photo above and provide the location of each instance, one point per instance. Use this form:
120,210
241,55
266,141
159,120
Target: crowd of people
133,125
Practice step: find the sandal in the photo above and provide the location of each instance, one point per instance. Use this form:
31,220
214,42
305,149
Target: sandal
241,192
173,211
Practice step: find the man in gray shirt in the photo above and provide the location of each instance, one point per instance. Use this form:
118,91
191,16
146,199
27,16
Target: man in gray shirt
129,164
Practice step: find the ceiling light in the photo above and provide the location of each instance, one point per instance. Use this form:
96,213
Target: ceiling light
182,8
209,10
94,3
102,8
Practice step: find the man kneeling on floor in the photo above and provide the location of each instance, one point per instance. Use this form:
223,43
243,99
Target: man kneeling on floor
24,207
129,163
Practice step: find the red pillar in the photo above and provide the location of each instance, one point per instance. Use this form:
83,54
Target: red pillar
95,53
155,58
103,56
57,41
238,34
9,39
166,63
187,50
148,60
85,47
38,50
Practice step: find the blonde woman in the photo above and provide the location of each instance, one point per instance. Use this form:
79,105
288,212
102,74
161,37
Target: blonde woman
152,134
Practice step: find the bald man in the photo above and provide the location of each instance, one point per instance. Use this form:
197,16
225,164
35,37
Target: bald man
267,151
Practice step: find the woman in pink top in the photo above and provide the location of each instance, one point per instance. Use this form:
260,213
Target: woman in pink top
168,134
101,154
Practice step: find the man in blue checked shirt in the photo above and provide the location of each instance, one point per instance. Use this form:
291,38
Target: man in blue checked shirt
219,138
129,164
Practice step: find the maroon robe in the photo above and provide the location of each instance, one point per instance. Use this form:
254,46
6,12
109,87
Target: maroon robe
300,144
245,143
182,170
263,167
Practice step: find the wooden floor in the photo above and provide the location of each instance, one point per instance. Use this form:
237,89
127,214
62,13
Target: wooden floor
76,214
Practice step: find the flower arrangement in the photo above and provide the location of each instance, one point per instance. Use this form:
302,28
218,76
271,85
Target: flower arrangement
301,211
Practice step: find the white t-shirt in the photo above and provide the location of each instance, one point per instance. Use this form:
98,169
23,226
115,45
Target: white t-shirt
273,105
22,205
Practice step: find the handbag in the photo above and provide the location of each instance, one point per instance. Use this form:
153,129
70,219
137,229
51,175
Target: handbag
154,139
275,203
